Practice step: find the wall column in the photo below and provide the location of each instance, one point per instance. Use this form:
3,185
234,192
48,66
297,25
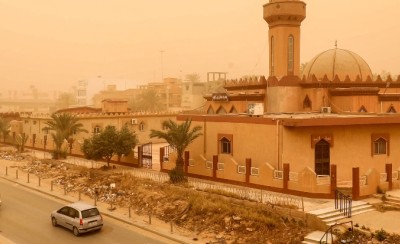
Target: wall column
389,176
140,156
356,183
248,169
215,162
286,170
162,151
333,179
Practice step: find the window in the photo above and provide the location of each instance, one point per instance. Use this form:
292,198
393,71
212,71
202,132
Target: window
272,56
96,129
380,146
290,55
225,146
141,126
307,102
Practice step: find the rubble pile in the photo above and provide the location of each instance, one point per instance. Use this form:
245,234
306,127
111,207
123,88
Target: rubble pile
164,201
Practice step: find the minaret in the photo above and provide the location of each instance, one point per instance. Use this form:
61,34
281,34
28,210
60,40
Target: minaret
284,18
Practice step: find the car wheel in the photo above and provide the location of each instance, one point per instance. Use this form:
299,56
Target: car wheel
76,231
54,222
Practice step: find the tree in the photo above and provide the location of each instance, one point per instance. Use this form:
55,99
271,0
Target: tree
126,141
63,125
4,128
194,77
147,100
66,99
20,141
179,136
109,143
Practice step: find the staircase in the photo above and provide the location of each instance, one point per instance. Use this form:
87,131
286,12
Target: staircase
392,201
331,216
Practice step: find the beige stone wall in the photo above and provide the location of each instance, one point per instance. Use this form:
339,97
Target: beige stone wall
34,125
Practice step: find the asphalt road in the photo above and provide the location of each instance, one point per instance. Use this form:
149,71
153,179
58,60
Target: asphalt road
25,218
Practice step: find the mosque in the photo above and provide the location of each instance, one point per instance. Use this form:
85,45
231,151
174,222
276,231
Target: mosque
304,131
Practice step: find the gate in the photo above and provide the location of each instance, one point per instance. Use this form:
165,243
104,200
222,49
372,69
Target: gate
147,155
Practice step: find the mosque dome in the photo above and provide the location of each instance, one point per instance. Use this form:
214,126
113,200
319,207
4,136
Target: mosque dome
338,62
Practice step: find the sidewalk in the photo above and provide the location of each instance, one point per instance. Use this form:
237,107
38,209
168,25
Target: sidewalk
157,227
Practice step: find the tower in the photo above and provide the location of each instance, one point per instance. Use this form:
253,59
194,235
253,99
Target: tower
284,18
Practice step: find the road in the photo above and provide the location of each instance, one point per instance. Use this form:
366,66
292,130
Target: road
25,218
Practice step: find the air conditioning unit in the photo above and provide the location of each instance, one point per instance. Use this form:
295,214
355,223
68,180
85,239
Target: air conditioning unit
326,110
134,121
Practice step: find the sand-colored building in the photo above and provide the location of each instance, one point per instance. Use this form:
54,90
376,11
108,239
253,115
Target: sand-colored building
307,133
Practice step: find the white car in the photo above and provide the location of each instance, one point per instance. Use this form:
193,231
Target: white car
80,217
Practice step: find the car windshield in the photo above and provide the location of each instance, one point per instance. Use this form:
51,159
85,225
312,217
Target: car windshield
90,213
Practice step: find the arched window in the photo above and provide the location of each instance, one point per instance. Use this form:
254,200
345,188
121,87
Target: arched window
290,55
96,129
225,146
272,56
141,126
380,146
307,102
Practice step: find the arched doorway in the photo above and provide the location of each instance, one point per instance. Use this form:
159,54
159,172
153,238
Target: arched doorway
322,158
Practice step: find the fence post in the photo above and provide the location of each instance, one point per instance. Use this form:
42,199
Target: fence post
79,195
39,180
65,189
129,211
172,231
51,186
28,177
16,174
6,170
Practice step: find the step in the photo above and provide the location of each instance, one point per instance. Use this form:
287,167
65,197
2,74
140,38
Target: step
335,221
354,211
315,237
318,212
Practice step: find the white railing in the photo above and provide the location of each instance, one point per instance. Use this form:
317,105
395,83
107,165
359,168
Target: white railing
293,176
383,177
363,180
278,174
323,180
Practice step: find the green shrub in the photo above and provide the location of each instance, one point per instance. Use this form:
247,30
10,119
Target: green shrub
381,235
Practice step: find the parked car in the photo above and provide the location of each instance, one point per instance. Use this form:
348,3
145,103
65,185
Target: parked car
80,217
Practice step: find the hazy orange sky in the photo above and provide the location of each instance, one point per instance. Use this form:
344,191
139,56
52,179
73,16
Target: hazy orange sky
54,43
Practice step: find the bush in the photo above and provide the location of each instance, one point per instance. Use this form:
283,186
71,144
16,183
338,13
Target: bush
381,235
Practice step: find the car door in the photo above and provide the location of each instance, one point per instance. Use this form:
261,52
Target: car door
62,215
70,218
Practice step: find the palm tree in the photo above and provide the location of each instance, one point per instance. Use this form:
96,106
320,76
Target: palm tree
179,136
63,125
